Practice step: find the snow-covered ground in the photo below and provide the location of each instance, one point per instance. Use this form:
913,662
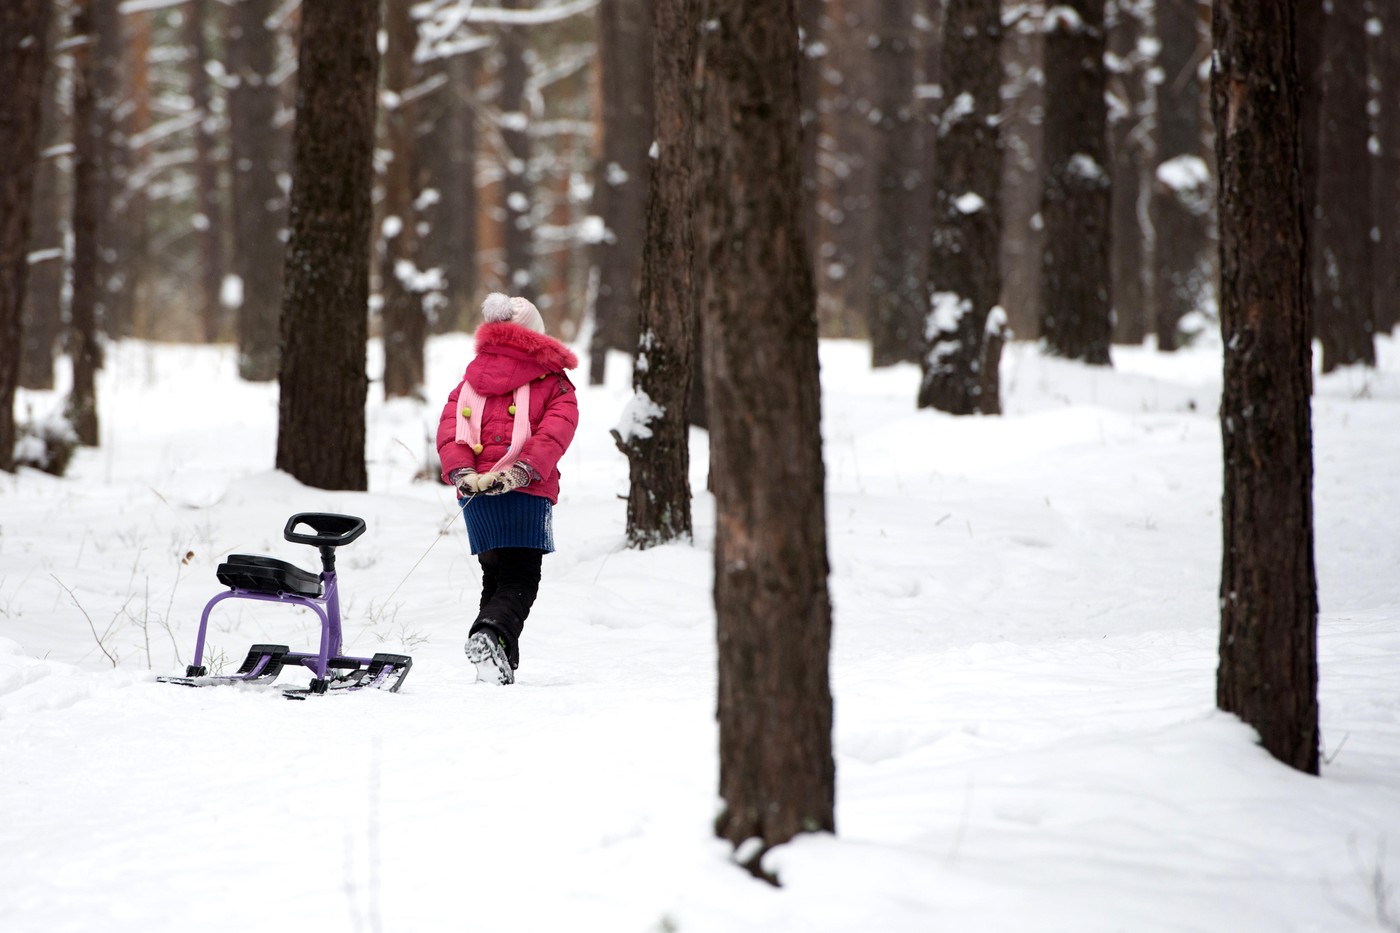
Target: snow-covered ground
1023,667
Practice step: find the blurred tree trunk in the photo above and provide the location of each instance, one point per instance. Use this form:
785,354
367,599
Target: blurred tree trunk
1131,151
42,327
1075,304
896,303
847,175
657,444
620,175
209,219
137,312
777,775
24,33
1023,139
404,316
88,136
321,415
1345,215
964,274
256,159
518,274
117,233
1181,187
811,24
1268,587
1385,177
449,161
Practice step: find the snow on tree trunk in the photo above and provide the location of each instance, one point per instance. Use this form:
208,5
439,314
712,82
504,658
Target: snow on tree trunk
1075,308
964,269
1268,589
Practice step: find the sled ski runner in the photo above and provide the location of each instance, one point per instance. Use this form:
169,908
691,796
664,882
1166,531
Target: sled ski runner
267,579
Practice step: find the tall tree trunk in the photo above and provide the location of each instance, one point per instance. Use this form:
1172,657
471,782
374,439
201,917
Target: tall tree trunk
256,158
846,222
1385,177
811,24
777,774
1344,322
404,315
117,233
964,280
321,416
1023,147
518,274
449,162
896,303
42,327
1181,187
1268,587
620,175
1131,149
23,56
656,442
209,223
88,136
1075,306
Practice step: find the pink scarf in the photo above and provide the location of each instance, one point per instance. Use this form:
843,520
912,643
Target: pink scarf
471,404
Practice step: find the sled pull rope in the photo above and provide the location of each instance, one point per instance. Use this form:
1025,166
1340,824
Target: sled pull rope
424,556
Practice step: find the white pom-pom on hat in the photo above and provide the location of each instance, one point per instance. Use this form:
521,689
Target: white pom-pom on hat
499,307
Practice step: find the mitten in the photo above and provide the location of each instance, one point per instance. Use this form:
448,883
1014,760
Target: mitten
495,483
464,478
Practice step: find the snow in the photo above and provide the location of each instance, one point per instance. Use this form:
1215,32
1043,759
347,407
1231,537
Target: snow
1184,173
1023,669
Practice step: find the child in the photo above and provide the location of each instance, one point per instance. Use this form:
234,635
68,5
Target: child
500,438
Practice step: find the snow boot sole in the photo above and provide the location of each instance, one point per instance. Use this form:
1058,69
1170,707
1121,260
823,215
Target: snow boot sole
489,656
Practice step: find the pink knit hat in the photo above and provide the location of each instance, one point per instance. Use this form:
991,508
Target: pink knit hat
499,307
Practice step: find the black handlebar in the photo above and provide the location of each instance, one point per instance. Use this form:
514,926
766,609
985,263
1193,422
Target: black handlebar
331,530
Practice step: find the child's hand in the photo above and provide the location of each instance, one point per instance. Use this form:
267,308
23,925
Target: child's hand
495,483
465,481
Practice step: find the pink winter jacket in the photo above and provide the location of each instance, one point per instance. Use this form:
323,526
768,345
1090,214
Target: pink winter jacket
508,356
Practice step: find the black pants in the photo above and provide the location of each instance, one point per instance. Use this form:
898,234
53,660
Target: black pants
510,580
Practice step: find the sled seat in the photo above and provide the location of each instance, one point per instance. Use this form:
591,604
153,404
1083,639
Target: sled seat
268,575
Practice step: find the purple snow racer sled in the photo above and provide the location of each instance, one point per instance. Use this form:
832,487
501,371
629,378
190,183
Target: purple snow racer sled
270,580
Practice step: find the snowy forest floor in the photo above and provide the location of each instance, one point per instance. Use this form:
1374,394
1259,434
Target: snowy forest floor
1023,668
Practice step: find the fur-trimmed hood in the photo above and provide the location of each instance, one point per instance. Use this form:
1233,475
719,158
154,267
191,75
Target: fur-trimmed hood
509,355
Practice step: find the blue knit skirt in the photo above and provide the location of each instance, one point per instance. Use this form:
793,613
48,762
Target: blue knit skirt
511,519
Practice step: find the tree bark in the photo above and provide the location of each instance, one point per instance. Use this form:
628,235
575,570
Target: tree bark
1075,306
321,415
42,320
964,275
258,206
1345,213
657,445
620,175
23,57
1131,150
1181,186
1385,177
88,135
449,162
518,274
1268,589
209,197
900,266
404,315
777,773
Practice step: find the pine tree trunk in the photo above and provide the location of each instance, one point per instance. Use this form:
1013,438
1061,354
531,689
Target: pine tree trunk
1385,177
518,274
404,315
321,416
23,59
1268,588
257,205
1075,306
116,231
1344,322
206,171
1130,149
900,265
777,774
658,455
1023,147
88,135
620,175
42,326
1181,188
449,163
964,275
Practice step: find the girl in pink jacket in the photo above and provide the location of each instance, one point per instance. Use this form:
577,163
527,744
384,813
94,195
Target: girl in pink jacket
500,438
